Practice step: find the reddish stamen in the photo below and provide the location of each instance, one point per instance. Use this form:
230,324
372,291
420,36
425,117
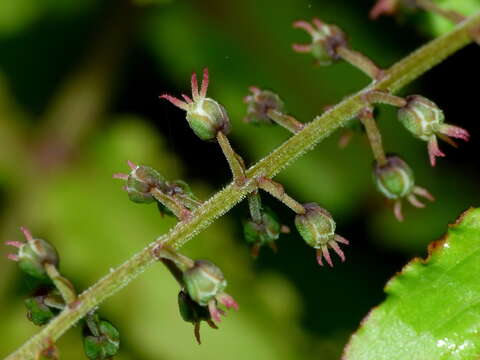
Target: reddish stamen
203,90
301,24
177,102
302,48
120,176
397,210
16,244
337,249
433,150
26,233
194,87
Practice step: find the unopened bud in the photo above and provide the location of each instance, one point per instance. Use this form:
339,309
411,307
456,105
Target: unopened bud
205,116
259,103
43,306
264,233
34,254
101,339
205,284
325,40
425,120
317,228
395,181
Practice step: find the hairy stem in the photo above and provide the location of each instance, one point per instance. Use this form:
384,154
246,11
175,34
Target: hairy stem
374,136
399,75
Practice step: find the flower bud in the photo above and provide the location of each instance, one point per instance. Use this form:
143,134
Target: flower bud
205,284
205,116
325,40
395,181
317,228
259,103
425,120
204,281
140,181
264,233
37,312
101,340
33,254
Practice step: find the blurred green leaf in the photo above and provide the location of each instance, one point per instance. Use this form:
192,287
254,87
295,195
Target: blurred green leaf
432,309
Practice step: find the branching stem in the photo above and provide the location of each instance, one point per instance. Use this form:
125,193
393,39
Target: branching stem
237,168
399,75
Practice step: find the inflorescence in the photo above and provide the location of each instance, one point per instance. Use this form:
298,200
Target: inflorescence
202,284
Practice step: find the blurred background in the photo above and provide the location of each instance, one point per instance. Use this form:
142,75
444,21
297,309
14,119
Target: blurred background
79,86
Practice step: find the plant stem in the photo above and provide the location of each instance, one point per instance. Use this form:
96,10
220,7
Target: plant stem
255,206
359,61
286,121
399,75
373,134
451,15
380,97
237,168
276,190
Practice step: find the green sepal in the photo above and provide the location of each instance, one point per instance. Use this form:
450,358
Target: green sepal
394,179
207,117
204,281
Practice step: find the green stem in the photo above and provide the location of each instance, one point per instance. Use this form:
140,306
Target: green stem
276,190
399,75
359,61
233,159
373,134
255,206
286,121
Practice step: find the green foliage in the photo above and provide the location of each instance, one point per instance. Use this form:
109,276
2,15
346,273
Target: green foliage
431,310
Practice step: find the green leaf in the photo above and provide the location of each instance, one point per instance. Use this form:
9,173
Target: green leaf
432,309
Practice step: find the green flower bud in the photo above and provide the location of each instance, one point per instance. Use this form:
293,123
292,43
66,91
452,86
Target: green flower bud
395,181
317,228
204,281
44,305
33,254
425,120
421,117
325,40
140,181
38,312
264,233
101,339
205,116
205,284
259,103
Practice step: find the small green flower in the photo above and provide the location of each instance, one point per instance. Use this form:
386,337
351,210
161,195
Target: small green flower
33,255
395,181
101,340
259,103
426,121
139,183
317,228
325,40
264,233
205,284
205,116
